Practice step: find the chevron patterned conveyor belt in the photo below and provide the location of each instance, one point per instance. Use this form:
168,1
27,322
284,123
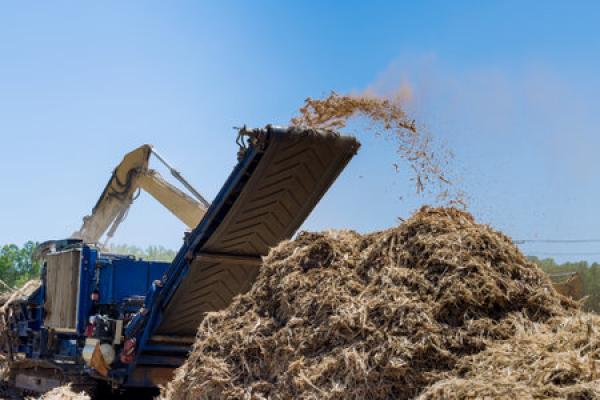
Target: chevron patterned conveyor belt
287,171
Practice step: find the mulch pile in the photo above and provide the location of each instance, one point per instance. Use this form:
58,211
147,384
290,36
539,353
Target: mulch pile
438,307
556,360
64,393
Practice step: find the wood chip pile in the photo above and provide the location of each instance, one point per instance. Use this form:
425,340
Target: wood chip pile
556,360
437,305
64,393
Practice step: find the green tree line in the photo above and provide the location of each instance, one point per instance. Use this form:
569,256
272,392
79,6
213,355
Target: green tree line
17,266
150,253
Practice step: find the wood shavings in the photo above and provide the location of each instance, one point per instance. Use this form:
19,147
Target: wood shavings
385,315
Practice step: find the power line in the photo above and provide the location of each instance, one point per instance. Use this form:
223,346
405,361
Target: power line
525,241
566,253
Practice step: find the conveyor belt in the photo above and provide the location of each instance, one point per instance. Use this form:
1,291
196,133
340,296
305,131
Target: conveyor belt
289,172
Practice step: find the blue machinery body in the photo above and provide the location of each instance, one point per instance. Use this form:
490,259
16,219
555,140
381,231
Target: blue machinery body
141,316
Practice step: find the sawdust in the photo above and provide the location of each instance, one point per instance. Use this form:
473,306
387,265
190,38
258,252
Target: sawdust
64,393
556,360
385,315
386,117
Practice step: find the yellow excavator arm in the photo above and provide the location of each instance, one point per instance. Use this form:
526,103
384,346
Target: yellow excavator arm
131,175
180,204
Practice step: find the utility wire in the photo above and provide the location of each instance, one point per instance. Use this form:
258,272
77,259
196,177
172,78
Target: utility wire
525,241
551,253
559,241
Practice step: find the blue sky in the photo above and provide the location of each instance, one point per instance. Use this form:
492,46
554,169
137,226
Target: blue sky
510,87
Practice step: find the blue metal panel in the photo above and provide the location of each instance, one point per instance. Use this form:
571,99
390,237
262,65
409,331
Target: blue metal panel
67,347
121,277
86,286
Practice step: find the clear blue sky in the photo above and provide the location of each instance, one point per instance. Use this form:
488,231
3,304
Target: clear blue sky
511,87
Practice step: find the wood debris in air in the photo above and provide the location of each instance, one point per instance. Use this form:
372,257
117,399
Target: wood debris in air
387,118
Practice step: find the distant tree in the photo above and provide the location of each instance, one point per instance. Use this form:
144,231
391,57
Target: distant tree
17,266
151,253
592,288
